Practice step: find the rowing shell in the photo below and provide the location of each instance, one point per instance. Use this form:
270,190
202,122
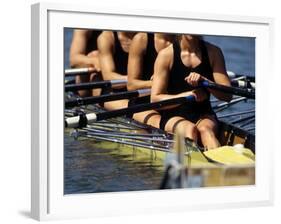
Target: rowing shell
142,139
224,166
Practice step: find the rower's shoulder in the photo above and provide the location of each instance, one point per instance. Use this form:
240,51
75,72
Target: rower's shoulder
139,42
106,35
166,52
82,32
213,50
140,37
105,39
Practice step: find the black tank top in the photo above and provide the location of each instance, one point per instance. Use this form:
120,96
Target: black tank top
120,57
149,58
177,84
92,41
179,71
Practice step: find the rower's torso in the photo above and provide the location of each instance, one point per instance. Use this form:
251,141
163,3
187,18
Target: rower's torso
92,41
120,57
179,71
149,58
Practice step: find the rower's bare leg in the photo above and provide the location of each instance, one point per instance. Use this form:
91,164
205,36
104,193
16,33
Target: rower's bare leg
81,79
185,127
95,77
115,105
94,55
207,128
150,117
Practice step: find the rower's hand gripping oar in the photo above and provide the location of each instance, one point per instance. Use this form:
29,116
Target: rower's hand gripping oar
83,119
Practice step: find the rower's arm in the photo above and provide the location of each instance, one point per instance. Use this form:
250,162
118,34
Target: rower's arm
219,73
135,63
106,52
160,81
77,56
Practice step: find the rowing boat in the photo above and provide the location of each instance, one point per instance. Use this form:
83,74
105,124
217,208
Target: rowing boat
111,130
156,143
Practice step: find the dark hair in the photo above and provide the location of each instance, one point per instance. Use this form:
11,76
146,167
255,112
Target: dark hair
178,37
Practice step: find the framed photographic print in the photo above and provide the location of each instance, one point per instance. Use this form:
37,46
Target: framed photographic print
148,111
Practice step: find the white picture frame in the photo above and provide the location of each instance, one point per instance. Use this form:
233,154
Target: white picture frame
48,201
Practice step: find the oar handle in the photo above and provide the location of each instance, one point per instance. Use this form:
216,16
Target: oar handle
249,93
77,71
118,81
144,92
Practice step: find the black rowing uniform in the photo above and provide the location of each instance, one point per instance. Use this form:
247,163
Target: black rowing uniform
120,58
192,111
147,67
92,41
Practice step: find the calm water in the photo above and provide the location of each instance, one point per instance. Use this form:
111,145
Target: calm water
88,168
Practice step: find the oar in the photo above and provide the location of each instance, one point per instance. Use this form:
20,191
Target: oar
249,121
250,128
233,75
215,100
243,81
249,93
240,120
94,85
236,114
107,97
243,84
83,119
78,71
234,101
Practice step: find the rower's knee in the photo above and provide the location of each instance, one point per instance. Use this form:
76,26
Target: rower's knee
152,118
208,137
189,131
205,130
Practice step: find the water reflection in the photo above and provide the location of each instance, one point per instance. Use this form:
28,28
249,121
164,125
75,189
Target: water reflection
90,168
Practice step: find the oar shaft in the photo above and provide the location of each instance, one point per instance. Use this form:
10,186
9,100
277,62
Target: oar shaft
249,93
243,84
239,120
83,119
144,107
106,98
233,75
236,114
94,85
234,101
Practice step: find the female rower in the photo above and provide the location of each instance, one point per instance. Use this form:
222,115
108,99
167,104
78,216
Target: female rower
142,55
84,53
178,70
114,49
